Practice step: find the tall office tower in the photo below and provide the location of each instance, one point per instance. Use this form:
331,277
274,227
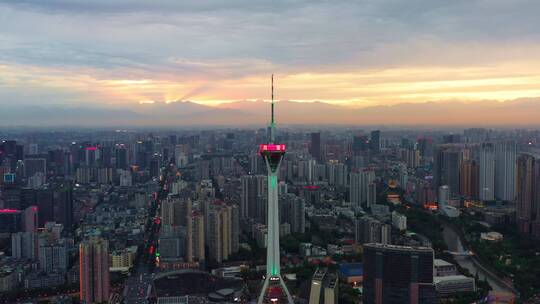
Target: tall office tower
469,179
121,157
358,191
375,142
425,145
35,165
23,245
528,195
505,170
106,156
487,172
63,205
360,144
371,230
155,165
274,288
446,168
315,146
45,204
94,270
31,219
398,274
53,254
253,187
197,220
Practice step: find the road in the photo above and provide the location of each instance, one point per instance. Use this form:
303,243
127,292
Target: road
138,287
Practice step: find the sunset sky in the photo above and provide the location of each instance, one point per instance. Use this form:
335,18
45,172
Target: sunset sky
354,53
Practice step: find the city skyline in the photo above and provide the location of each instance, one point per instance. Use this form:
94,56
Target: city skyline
352,54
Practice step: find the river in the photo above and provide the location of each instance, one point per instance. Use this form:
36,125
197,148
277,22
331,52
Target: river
455,244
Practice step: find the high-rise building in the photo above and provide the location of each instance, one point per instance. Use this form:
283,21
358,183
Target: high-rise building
360,144
274,288
223,231
63,206
11,221
235,228
324,288
425,145
53,254
371,195
94,270
528,195
469,179
505,170
253,187
172,243
398,274
375,141
371,230
198,241
443,195
45,204
121,157
35,165
31,219
316,287
292,211
315,146
487,172
446,168
23,245
359,182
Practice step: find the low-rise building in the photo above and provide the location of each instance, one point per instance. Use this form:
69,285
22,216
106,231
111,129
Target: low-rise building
491,236
442,268
449,285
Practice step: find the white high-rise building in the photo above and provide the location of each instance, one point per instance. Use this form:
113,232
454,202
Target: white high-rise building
443,195
358,190
505,170
487,172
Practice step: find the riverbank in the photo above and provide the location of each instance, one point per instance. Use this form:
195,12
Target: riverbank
455,242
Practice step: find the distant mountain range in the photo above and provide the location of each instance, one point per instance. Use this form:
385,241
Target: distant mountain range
520,112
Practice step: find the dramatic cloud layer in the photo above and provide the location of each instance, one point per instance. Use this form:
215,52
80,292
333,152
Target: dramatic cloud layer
355,53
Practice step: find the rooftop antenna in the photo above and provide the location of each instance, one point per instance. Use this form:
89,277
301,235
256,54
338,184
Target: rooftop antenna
272,122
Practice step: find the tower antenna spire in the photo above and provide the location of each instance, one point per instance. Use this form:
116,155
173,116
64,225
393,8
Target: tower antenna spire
272,121
272,98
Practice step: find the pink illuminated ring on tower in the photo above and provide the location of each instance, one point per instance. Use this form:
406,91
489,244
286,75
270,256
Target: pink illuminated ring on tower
272,148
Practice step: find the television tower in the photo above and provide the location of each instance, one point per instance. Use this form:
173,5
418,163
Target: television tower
274,289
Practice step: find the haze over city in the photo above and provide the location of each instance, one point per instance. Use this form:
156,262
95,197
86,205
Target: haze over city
269,152
366,62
